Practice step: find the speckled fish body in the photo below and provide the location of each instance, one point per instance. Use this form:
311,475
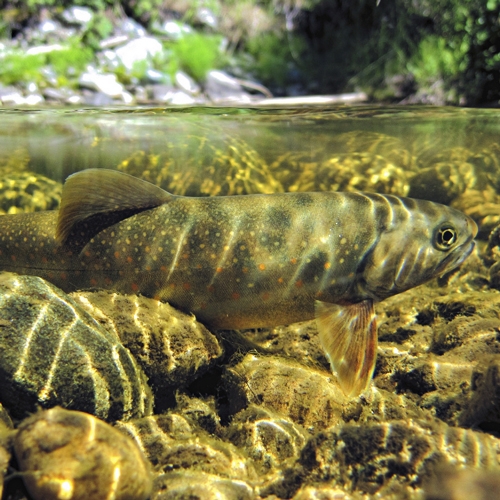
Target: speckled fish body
242,261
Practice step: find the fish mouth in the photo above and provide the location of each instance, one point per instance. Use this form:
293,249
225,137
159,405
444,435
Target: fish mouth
457,257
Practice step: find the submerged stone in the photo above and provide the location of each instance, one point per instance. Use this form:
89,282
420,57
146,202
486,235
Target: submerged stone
463,484
200,485
171,347
6,433
69,454
170,443
367,458
307,396
28,192
269,439
483,408
54,353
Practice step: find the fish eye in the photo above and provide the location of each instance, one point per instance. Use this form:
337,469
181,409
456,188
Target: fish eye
445,237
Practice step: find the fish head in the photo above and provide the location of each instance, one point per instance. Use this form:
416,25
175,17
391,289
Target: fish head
418,241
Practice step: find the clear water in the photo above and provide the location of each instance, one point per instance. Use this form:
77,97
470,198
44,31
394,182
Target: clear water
60,142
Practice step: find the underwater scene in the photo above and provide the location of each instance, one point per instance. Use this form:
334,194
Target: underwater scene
240,303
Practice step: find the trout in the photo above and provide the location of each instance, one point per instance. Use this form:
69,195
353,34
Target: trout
248,261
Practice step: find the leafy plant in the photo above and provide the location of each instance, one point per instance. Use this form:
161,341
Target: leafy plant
438,58
196,54
17,67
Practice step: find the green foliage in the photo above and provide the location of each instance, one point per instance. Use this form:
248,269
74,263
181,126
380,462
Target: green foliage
196,54
20,67
272,57
98,29
438,58
68,62
71,60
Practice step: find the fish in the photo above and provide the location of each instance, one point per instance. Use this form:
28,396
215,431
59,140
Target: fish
241,262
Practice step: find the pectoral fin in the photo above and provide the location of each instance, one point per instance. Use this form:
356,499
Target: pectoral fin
348,334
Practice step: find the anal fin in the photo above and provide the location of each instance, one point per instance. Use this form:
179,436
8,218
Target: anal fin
348,334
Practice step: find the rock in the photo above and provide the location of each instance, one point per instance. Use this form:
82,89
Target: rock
269,439
186,83
309,397
361,172
49,26
299,341
201,413
400,453
140,49
44,49
27,192
6,434
11,95
97,99
112,42
171,347
170,443
464,484
173,29
219,86
78,15
200,485
162,92
167,94
324,492
131,28
156,433
50,76
379,405
54,353
69,454
105,83
444,181
74,99
33,99
180,99
206,17
483,408
155,76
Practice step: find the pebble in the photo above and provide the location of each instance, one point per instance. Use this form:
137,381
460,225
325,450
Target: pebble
72,455
308,397
54,353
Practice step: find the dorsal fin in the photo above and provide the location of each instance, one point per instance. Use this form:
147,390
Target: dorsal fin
95,199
